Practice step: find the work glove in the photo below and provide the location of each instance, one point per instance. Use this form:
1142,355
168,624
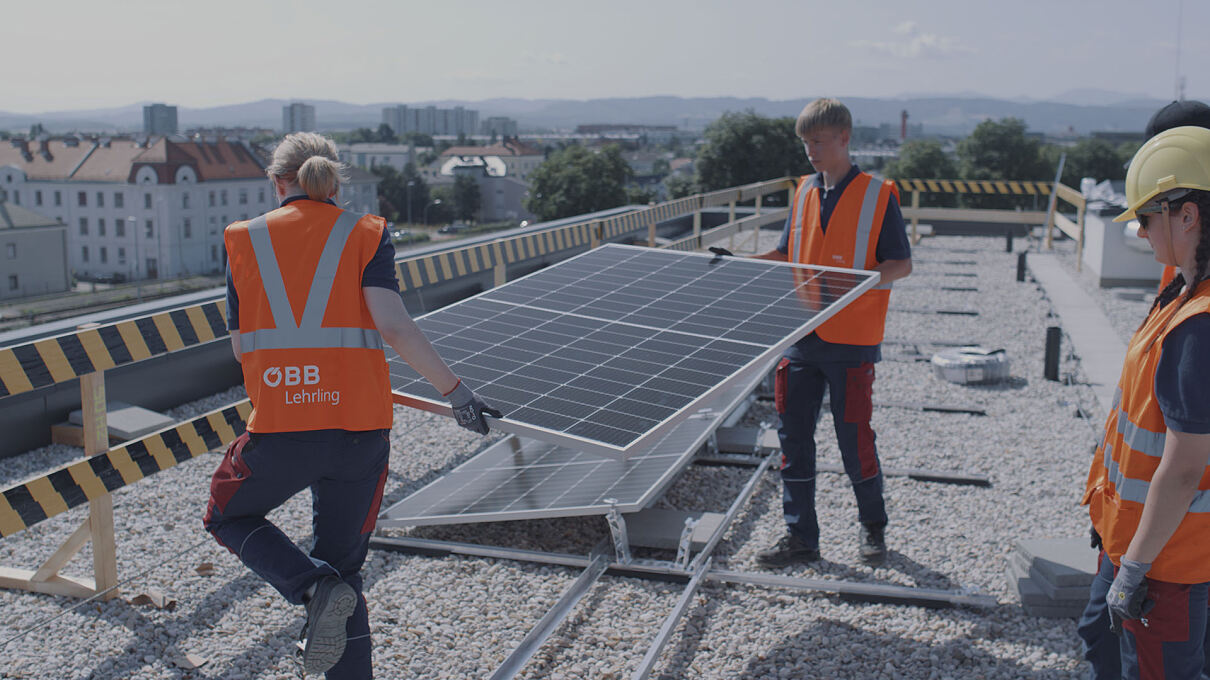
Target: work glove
1127,597
721,252
1094,539
469,409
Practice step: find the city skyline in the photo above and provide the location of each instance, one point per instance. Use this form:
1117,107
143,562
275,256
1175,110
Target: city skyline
395,52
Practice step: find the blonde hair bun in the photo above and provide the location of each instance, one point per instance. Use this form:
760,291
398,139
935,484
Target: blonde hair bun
310,160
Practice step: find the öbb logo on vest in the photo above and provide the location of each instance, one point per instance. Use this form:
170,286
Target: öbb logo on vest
292,375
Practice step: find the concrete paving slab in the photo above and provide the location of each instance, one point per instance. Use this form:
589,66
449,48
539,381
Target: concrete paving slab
1028,594
1095,341
660,528
1023,566
126,421
1062,561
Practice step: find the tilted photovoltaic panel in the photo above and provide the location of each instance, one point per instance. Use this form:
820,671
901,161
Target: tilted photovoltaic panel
606,351
520,478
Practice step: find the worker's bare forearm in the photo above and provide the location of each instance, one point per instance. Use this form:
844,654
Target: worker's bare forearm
893,270
403,335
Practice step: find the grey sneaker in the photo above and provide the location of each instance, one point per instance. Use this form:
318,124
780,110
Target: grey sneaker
872,544
788,550
328,610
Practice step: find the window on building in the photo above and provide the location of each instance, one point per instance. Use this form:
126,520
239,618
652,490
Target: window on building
12,282
83,226
222,196
243,197
150,232
185,200
58,198
100,226
214,253
260,195
100,199
17,197
82,199
84,253
187,228
121,256
38,197
10,249
119,199
212,198
104,255
147,201
119,227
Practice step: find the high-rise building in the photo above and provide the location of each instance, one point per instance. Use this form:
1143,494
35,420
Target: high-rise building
298,117
431,120
159,119
499,126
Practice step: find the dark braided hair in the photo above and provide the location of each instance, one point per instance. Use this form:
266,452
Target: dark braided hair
1201,256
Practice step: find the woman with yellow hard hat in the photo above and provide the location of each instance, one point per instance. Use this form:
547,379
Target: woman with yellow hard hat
1148,489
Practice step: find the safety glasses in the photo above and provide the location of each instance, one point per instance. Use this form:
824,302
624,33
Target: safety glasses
1161,206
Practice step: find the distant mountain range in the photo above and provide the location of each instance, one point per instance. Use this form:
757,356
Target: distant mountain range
1079,111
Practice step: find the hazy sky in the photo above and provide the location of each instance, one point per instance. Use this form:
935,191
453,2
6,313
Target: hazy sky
78,55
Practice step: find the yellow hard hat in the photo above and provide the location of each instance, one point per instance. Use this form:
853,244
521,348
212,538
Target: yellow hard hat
1178,158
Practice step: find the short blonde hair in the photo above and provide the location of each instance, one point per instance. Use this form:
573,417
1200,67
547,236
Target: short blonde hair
310,160
823,113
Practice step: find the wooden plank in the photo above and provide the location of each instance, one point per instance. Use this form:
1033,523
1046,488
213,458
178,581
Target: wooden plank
67,586
50,568
974,215
104,547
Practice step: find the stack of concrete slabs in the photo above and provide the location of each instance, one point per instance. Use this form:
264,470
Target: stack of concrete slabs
605,353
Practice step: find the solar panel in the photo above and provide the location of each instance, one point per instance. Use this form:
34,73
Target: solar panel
521,478
606,351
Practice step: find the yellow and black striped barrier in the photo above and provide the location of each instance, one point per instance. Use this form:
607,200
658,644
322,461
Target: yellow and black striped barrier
65,357
972,186
74,484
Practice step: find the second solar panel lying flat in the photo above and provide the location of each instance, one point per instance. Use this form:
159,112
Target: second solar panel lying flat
606,348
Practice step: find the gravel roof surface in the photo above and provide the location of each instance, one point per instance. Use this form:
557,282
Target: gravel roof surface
456,617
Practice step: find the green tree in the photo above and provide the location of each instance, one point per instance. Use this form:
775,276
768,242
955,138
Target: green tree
1000,150
1089,157
466,197
441,205
395,193
361,135
679,186
385,135
924,159
574,181
742,148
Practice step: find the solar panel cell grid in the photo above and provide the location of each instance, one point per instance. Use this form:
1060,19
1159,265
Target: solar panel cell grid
609,346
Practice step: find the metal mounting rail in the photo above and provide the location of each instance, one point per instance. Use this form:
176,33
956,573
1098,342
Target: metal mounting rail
669,625
555,616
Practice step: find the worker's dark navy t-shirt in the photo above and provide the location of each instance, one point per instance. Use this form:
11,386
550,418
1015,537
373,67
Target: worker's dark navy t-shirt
379,273
892,245
1182,379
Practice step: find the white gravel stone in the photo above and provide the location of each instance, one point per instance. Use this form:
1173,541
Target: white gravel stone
458,617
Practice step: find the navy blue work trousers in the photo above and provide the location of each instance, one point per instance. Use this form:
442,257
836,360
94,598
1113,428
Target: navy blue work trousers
1171,646
346,472
801,386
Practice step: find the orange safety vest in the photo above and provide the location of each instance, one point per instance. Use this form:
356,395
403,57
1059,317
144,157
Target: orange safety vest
312,357
1131,451
851,242
1166,277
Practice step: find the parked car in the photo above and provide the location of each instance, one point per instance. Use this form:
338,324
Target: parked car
454,228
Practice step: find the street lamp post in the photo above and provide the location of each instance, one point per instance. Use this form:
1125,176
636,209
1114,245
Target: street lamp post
133,223
409,193
436,201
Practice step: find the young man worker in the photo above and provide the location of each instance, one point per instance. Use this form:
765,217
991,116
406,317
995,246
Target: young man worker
841,217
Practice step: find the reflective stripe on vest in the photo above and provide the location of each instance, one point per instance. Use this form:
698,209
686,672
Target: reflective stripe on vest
309,334
1135,490
865,223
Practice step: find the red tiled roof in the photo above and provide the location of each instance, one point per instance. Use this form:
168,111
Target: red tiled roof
509,148
115,161
47,160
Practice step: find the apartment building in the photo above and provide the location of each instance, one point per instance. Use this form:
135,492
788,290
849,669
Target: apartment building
33,252
297,117
148,209
431,120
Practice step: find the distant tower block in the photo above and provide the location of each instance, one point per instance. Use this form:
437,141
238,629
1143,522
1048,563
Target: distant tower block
903,117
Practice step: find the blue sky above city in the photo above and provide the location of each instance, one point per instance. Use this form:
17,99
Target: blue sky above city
85,55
